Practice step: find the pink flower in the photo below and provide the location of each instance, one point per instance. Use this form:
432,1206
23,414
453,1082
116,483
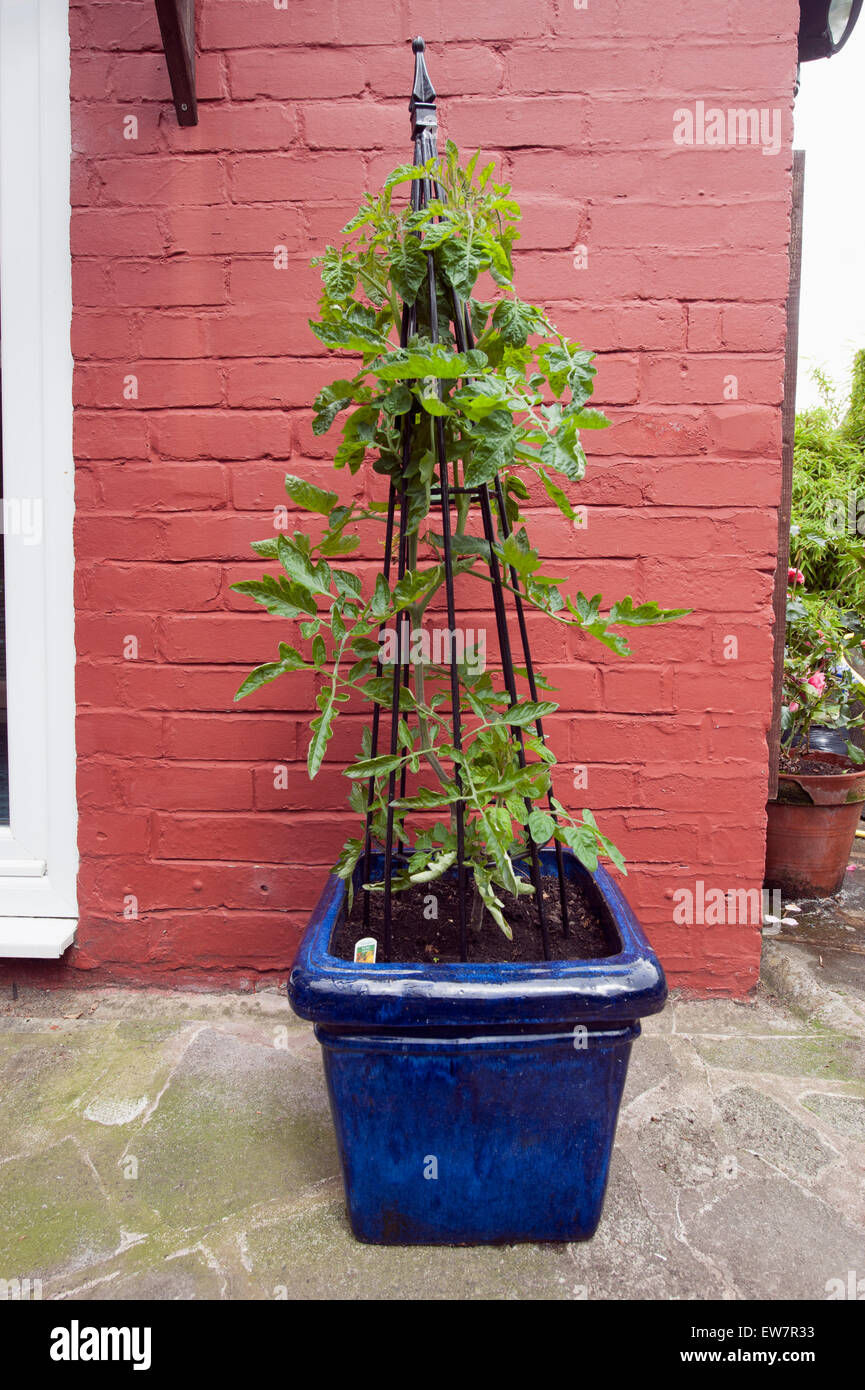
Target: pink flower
793,706
818,680
795,576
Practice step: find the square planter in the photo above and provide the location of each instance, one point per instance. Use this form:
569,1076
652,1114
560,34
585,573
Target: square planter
477,1103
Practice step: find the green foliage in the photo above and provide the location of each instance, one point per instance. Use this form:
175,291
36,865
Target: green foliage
828,513
821,686
510,408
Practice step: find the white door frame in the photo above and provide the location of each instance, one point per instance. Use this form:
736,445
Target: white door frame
38,850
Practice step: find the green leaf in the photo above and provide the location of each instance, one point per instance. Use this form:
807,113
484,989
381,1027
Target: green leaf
492,447
380,603
481,396
514,320
460,265
338,274
434,405
322,728
408,268
311,498
541,827
405,173
348,585
646,615
564,452
589,419
374,767
527,711
555,494
398,401
427,359
300,569
582,840
427,799
516,552
329,402
284,602
290,660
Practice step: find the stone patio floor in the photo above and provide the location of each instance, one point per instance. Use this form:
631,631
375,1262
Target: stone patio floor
178,1146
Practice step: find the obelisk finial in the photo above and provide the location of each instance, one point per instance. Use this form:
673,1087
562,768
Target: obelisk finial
422,100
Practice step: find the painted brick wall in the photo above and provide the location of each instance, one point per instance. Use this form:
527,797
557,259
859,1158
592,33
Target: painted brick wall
175,286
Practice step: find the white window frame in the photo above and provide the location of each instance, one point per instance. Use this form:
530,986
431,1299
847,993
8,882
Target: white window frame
38,850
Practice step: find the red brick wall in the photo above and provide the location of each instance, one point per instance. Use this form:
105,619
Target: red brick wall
174,283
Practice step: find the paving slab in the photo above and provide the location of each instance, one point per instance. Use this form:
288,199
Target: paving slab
163,1145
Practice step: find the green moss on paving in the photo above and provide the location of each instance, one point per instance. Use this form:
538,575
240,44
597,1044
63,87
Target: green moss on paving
54,1215
828,1056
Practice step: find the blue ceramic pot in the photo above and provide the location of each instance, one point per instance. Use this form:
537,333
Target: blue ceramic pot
477,1103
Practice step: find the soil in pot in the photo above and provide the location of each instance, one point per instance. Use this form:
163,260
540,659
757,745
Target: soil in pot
414,938
806,764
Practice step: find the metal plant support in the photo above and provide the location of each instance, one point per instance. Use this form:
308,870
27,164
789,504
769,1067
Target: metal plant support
496,528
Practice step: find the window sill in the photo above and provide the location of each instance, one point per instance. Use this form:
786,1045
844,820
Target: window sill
36,938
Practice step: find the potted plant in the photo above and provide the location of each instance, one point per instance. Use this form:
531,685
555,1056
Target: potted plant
474,1053
812,822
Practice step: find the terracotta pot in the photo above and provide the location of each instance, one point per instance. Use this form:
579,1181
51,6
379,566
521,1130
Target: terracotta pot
811,827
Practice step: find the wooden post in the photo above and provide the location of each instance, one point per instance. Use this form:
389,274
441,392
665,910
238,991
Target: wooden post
177,26
788,436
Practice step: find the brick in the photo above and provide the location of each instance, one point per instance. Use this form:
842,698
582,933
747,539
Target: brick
192,281
266,384
129,489
172,334
296,74
105,831
113,232
518,121
211,232
109,434
314,838
274,331
137,77
101,335
193,884
111,635
279,787
282,287
240,434
113,731
156,383
207,638
553,69
745,429
713,483
116,25
160,181
237,735
149,588
459,69
249,126
295,177
181,787
710,379
229,24
552,222
337,125
486,20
